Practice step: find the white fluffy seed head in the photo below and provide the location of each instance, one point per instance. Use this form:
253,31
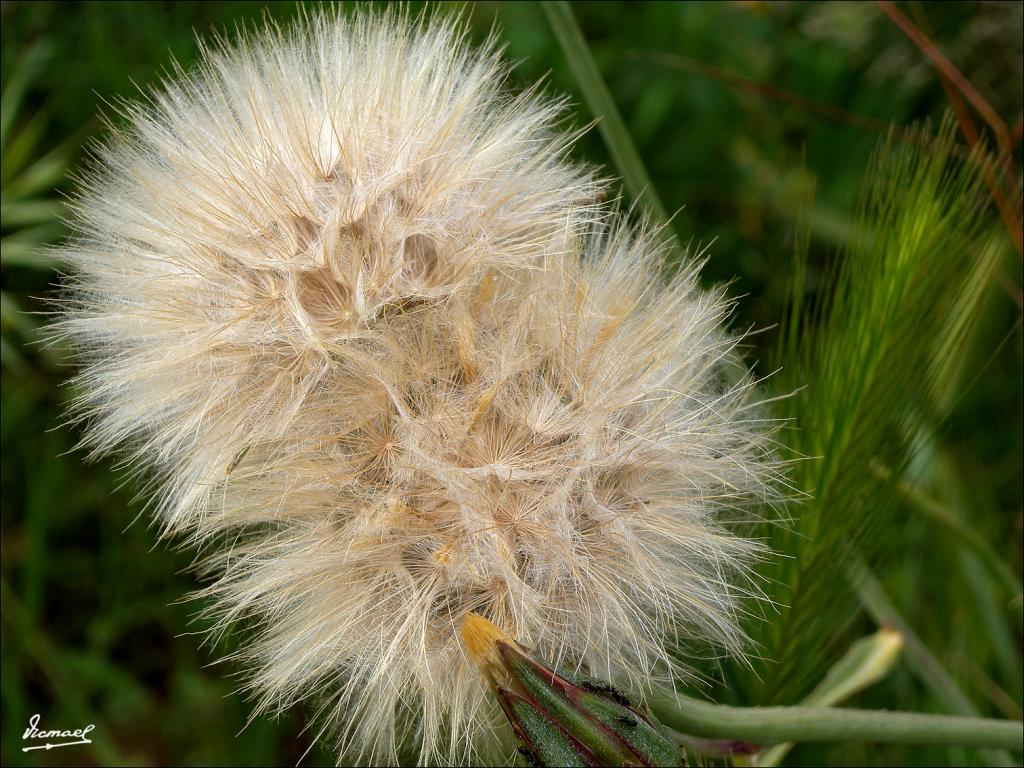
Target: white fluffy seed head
341,299
264,213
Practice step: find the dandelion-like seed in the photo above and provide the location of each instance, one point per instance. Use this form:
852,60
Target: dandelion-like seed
346,307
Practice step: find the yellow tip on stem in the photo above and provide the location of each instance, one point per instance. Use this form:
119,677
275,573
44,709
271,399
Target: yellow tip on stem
481,638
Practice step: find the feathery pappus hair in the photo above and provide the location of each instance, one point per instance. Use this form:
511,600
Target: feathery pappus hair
264,212
349,310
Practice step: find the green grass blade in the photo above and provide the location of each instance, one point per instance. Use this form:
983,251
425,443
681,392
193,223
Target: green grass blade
29,213
962,535
601,104
17,85
26,247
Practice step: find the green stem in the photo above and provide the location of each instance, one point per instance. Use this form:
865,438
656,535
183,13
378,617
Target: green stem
919,658
775,725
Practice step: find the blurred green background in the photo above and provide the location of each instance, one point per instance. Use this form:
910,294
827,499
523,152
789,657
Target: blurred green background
739,111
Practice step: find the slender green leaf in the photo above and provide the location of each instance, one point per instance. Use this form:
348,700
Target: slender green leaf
25,248
29,212
16,86
41,176
960,533
601,104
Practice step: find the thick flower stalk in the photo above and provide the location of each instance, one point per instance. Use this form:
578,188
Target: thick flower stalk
348,309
